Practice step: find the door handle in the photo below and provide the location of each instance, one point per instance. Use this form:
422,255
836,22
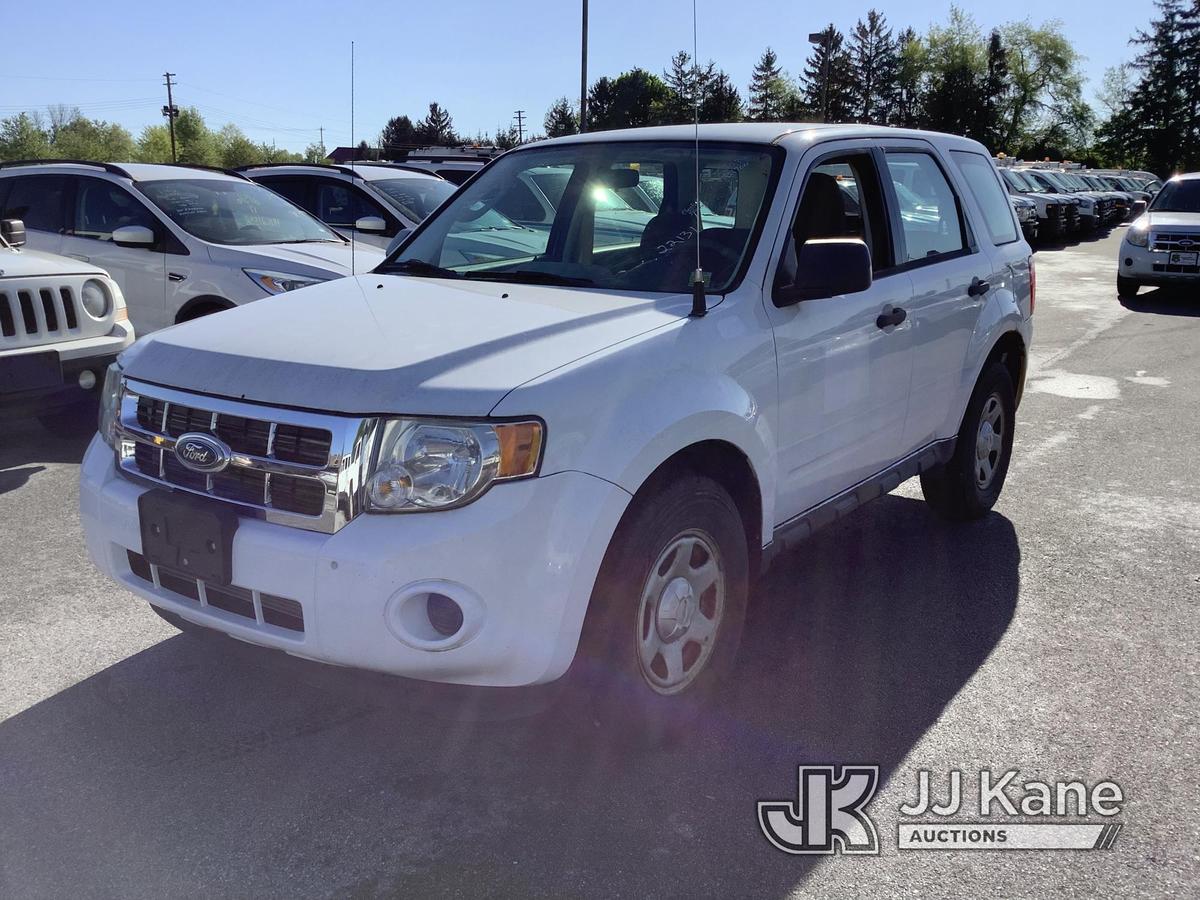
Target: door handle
894,316
175,276
978,287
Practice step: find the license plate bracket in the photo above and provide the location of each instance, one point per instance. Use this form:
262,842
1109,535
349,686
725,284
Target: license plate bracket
30,371
188,535
1184,259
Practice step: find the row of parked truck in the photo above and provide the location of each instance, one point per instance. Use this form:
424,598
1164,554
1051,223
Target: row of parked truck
1055,202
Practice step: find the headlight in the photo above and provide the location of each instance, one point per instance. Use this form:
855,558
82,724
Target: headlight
95,298
1138,235
110,404
281,282
427,464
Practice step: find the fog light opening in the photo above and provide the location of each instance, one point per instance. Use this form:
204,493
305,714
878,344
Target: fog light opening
1129,261
87,379
444,614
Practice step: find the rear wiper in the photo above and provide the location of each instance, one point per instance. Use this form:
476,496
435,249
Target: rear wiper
418,267
525,276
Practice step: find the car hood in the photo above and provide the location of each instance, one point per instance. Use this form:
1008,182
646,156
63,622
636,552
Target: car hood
1170,219
26,263
324,258
395,344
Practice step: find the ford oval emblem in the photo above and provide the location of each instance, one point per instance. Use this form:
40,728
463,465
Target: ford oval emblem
201,452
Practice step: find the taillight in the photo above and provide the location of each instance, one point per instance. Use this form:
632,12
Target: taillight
1032,285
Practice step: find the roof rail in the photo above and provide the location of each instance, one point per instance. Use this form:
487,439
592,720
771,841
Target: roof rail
347,170
234,172
111,168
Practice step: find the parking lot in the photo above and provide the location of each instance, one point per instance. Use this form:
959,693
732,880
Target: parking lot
1058,636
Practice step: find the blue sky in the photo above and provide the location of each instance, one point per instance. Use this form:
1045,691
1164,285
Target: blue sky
282,70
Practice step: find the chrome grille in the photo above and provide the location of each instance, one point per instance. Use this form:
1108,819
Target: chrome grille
1179,241
298,468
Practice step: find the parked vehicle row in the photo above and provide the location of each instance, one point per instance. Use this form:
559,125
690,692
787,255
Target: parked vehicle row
62,323
181,241
574,453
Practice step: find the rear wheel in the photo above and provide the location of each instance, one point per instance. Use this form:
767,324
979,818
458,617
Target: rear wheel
1127,288
969,484
667,611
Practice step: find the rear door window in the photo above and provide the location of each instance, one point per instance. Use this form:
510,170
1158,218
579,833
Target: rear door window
980,175
101,207
38,201
931,223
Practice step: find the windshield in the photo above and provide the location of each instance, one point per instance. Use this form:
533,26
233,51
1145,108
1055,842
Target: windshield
1178,196
617,215
1023,182
234,212
415,198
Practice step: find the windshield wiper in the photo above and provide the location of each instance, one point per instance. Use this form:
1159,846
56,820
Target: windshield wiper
419,268
525,276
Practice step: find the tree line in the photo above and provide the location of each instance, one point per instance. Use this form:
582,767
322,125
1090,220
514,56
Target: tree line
65,133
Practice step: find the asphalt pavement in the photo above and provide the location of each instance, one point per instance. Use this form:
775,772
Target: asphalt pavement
1058,636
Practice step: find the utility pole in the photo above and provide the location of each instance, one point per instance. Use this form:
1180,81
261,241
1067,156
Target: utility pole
520,114
322,130
171,111
583,85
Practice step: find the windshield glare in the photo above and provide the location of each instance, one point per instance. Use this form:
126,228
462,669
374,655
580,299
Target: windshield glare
234,212
619,215
415,198
1178,196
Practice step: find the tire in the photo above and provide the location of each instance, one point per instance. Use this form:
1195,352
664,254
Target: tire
75,421
661,639
968,485
1127,288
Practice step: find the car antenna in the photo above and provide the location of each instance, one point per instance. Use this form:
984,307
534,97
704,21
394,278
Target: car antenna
699,302
354,151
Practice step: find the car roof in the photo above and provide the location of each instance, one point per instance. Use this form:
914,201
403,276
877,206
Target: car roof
789,133
133,171
1185,176
368,171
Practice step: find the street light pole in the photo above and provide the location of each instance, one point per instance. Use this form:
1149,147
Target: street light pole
824,39
583,85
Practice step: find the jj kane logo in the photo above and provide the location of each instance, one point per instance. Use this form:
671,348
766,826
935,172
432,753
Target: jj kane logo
829,814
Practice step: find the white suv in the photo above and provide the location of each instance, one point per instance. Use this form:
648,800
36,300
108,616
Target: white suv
62,323
490,458
1162,246
374,202
181,241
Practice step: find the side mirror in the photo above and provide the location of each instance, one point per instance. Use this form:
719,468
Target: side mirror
138,236
13,231
827,267
370,223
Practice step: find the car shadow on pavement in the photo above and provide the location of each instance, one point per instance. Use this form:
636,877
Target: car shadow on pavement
204,766
1166,301
27,442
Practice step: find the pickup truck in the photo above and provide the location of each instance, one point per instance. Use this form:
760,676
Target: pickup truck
62,323
569,456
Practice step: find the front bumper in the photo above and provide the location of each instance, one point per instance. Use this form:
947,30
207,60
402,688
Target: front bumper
1148,266
27,389
521,560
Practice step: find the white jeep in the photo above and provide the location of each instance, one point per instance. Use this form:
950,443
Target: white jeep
62,323
511,448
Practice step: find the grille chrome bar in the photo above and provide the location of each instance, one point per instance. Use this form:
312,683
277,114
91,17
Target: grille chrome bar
320,498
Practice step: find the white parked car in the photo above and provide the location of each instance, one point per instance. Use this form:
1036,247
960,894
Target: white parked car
1162,247
62,323
371,202
181,241
479,470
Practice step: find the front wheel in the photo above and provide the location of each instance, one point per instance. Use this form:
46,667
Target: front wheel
667,611
1127,288
969,484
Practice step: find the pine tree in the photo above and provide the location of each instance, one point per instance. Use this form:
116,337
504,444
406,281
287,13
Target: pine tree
996,90
399,136
722,102
561,119
768,89
875,63
827,83
910,80
437,128
1159,103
